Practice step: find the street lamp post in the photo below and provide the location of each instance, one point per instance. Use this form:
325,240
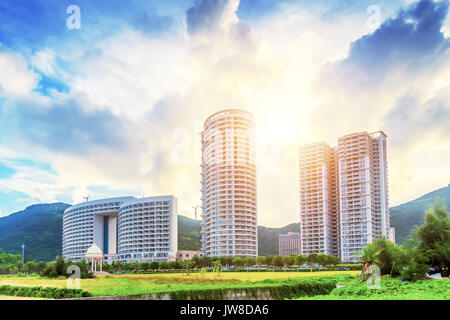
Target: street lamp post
23,253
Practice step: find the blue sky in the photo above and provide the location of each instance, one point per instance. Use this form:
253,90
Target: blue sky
116,107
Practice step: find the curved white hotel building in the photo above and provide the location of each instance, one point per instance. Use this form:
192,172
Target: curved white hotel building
125,228
229,221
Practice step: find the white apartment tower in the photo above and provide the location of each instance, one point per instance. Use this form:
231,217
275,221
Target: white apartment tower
344,201
363,191
229,221
319,216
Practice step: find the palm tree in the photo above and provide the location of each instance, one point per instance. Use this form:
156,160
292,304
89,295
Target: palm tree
369,256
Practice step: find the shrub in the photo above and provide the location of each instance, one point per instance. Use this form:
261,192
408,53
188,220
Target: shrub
278,288
40,292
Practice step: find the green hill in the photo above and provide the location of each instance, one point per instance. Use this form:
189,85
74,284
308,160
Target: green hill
189,233
405,217
39,227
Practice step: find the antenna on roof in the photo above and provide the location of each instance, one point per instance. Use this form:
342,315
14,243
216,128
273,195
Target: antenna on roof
87,198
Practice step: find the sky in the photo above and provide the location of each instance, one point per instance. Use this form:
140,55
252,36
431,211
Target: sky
108,98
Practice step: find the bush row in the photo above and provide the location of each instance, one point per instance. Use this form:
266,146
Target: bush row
278,289
41,292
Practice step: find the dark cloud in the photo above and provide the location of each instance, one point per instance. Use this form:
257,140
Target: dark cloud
412,39
411,118
65,127
204,14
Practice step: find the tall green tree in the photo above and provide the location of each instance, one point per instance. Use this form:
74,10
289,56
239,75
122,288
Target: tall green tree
434,238
388,256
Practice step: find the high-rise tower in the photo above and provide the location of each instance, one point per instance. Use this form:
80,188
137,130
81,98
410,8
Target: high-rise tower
229,221
318,199
344,201
363,191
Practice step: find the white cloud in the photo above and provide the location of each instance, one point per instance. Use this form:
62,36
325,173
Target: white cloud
44,61
16,79
159,86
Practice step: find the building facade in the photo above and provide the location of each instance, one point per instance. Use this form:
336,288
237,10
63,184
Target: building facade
229,221
344,201
392,238
363,191
124,228
289,244
318,201
188,254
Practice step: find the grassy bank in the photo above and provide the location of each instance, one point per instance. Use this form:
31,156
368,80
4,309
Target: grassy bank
390,289
135,284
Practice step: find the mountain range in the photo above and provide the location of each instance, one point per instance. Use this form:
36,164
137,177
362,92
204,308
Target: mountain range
39,227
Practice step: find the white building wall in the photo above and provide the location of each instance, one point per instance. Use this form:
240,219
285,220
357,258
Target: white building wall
229,220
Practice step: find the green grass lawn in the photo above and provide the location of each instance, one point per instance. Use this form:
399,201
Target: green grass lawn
135,284
390,289
18,298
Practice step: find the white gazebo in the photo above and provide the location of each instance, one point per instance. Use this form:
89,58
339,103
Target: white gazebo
95,254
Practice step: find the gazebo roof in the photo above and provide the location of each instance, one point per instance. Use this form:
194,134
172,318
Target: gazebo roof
94,251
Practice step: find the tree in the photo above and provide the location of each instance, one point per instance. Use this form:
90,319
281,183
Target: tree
163,265
268,260
369,256
237,261
60,266
188,264
260,261
145,266
278,261
205,261
249,261
119,266
414,264
300,260
226,261
136,266
311,259
287,261
196,261
388,257
333,260
434,238
322,259
154,265
217,267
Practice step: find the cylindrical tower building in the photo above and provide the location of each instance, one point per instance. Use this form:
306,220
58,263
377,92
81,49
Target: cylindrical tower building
229,222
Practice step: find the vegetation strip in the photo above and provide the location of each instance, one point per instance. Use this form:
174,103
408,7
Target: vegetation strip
43,292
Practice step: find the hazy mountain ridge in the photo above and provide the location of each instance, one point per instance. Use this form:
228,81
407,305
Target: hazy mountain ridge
405,217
